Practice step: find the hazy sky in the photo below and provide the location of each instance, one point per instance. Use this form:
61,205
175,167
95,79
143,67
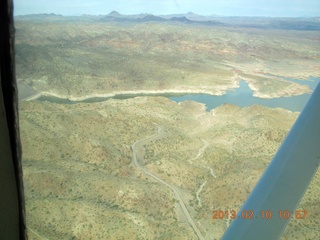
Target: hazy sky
205,7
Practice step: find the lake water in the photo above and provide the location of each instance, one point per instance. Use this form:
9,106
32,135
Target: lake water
241,97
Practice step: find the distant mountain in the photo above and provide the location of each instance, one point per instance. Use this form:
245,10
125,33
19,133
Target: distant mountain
114,14
190,15
36,17
151,18
300,24
306,24
181,19
188,18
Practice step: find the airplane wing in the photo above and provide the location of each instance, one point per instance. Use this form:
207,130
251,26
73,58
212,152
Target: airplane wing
284,182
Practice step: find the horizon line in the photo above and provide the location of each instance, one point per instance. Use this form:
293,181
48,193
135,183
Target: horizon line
167,14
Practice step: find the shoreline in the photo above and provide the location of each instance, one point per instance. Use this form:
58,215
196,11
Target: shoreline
219,91
119,93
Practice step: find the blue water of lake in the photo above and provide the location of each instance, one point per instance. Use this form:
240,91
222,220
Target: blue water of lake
243,97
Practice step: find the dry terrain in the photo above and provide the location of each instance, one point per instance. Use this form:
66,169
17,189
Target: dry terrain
147,167
81,181
80,58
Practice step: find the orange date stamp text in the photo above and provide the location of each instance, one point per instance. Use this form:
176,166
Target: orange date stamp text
263,214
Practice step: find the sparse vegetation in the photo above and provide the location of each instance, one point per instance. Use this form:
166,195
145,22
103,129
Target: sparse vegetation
80,182
78,58
95,183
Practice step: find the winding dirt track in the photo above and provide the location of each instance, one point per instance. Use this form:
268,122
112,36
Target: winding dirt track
139,144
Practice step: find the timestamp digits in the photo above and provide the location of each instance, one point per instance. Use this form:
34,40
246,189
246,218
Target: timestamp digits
263,214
